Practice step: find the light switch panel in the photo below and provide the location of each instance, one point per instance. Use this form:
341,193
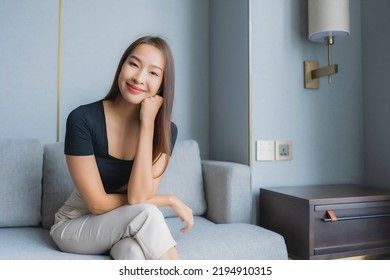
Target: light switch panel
265,150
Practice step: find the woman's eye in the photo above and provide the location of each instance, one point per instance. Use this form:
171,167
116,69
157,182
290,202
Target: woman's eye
154,74
132,64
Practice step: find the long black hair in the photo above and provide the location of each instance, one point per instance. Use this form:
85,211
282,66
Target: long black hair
162,129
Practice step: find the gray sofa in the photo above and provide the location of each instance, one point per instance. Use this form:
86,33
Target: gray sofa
34,183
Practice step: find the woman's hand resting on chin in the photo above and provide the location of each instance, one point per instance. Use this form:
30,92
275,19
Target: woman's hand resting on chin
149,109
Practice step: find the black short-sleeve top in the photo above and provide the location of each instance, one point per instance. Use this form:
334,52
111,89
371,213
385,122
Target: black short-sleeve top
86,134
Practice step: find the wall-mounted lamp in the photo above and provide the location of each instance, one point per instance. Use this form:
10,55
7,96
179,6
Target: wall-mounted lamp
328,20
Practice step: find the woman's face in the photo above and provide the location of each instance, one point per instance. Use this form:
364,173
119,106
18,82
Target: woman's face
141,75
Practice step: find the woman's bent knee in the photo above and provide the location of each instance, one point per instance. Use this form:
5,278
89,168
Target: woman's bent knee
127,249
152,210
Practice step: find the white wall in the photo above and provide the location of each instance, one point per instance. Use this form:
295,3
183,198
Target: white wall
325,125
95,34
28,69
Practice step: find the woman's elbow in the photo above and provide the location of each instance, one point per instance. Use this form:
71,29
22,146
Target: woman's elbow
97,209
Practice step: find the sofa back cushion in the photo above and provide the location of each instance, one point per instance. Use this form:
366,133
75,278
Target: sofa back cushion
57,185
182,178
20,182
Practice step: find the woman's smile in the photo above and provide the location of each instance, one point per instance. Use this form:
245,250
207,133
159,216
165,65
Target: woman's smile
134,89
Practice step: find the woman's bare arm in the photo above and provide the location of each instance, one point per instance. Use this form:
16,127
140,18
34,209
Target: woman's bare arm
142,184
182,210
85,175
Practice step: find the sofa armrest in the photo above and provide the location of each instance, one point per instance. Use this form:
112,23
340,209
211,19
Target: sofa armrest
228,191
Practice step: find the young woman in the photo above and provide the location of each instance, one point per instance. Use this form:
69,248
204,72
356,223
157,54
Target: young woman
117,150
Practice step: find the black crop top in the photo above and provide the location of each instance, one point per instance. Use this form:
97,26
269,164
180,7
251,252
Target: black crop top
86,135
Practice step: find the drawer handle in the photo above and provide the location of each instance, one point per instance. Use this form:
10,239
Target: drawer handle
331,217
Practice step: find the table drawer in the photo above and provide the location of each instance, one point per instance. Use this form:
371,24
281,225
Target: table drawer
355,226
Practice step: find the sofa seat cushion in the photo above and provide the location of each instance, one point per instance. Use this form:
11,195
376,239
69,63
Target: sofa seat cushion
205,241
237,241
20,182
34,243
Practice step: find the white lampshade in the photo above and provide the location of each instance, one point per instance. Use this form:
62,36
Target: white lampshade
328,18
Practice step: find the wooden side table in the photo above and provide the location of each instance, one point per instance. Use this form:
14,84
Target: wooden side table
329,221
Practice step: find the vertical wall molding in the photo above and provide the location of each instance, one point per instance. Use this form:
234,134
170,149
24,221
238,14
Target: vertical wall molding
59,71
249,84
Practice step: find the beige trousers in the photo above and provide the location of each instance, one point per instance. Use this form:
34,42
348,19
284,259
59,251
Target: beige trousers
128,232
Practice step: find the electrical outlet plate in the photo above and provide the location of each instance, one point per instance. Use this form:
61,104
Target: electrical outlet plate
283,150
